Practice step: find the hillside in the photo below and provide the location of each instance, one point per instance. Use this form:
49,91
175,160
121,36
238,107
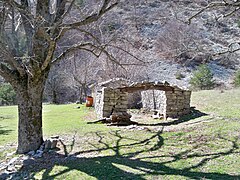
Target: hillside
157,30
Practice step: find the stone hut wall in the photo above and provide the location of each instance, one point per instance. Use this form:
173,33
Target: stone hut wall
111,98
169,103
177,103
97,99
109,101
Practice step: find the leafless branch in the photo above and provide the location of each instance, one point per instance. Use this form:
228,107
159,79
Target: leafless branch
226,52
95,16
209,6
89,47
69,50
125,51
61,17
6,73
230,13
89,34
8,58
52,46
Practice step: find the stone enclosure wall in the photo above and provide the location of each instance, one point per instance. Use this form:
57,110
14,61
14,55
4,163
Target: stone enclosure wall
109,101
170,101
177,103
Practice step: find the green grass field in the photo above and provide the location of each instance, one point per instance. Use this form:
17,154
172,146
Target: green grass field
200,146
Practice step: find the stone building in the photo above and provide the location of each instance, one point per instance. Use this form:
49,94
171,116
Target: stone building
111,97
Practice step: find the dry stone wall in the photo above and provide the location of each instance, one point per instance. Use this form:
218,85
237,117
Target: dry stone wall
98,104
169,103
177,103
112,101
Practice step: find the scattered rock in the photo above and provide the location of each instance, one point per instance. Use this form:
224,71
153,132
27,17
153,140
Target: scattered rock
6,173
31,153
157,116
25,158
41,147
12,161
10,154
18,166
11,168
121,118
47,144
3,166
51,143
54,143
38,154
78,102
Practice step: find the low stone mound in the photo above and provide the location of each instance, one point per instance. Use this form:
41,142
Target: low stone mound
117,118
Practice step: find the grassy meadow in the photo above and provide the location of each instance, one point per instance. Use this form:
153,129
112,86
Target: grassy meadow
204,145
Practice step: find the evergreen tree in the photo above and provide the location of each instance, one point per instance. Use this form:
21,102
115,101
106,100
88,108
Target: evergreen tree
202,78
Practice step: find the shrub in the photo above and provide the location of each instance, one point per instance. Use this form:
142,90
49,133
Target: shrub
179,75
237,79
7,94
202,78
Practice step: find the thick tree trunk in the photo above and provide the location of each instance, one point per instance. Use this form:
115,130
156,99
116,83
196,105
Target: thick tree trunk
30,135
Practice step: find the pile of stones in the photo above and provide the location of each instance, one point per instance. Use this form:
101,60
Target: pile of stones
13,163
121,118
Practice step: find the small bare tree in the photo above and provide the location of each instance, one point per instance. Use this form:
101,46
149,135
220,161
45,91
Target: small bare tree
84,72
178,41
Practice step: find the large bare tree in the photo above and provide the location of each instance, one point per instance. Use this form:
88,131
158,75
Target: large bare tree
31,32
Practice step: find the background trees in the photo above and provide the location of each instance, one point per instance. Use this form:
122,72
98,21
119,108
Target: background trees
157,32
7,94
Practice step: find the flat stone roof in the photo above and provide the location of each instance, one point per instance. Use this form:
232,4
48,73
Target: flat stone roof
163,86
128,86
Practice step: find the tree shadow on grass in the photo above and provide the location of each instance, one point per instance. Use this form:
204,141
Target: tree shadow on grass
4,131
134,159
193,115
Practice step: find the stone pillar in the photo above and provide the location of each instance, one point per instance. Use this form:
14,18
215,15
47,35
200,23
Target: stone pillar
178,103
98,103
111,100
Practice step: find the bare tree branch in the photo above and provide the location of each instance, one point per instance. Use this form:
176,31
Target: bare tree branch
94,17
8,58
47,61
61,13
7,73
125,51
227,51
90,48
69,50
209,6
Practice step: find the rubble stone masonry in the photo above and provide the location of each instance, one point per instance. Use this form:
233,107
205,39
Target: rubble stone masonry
172,101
